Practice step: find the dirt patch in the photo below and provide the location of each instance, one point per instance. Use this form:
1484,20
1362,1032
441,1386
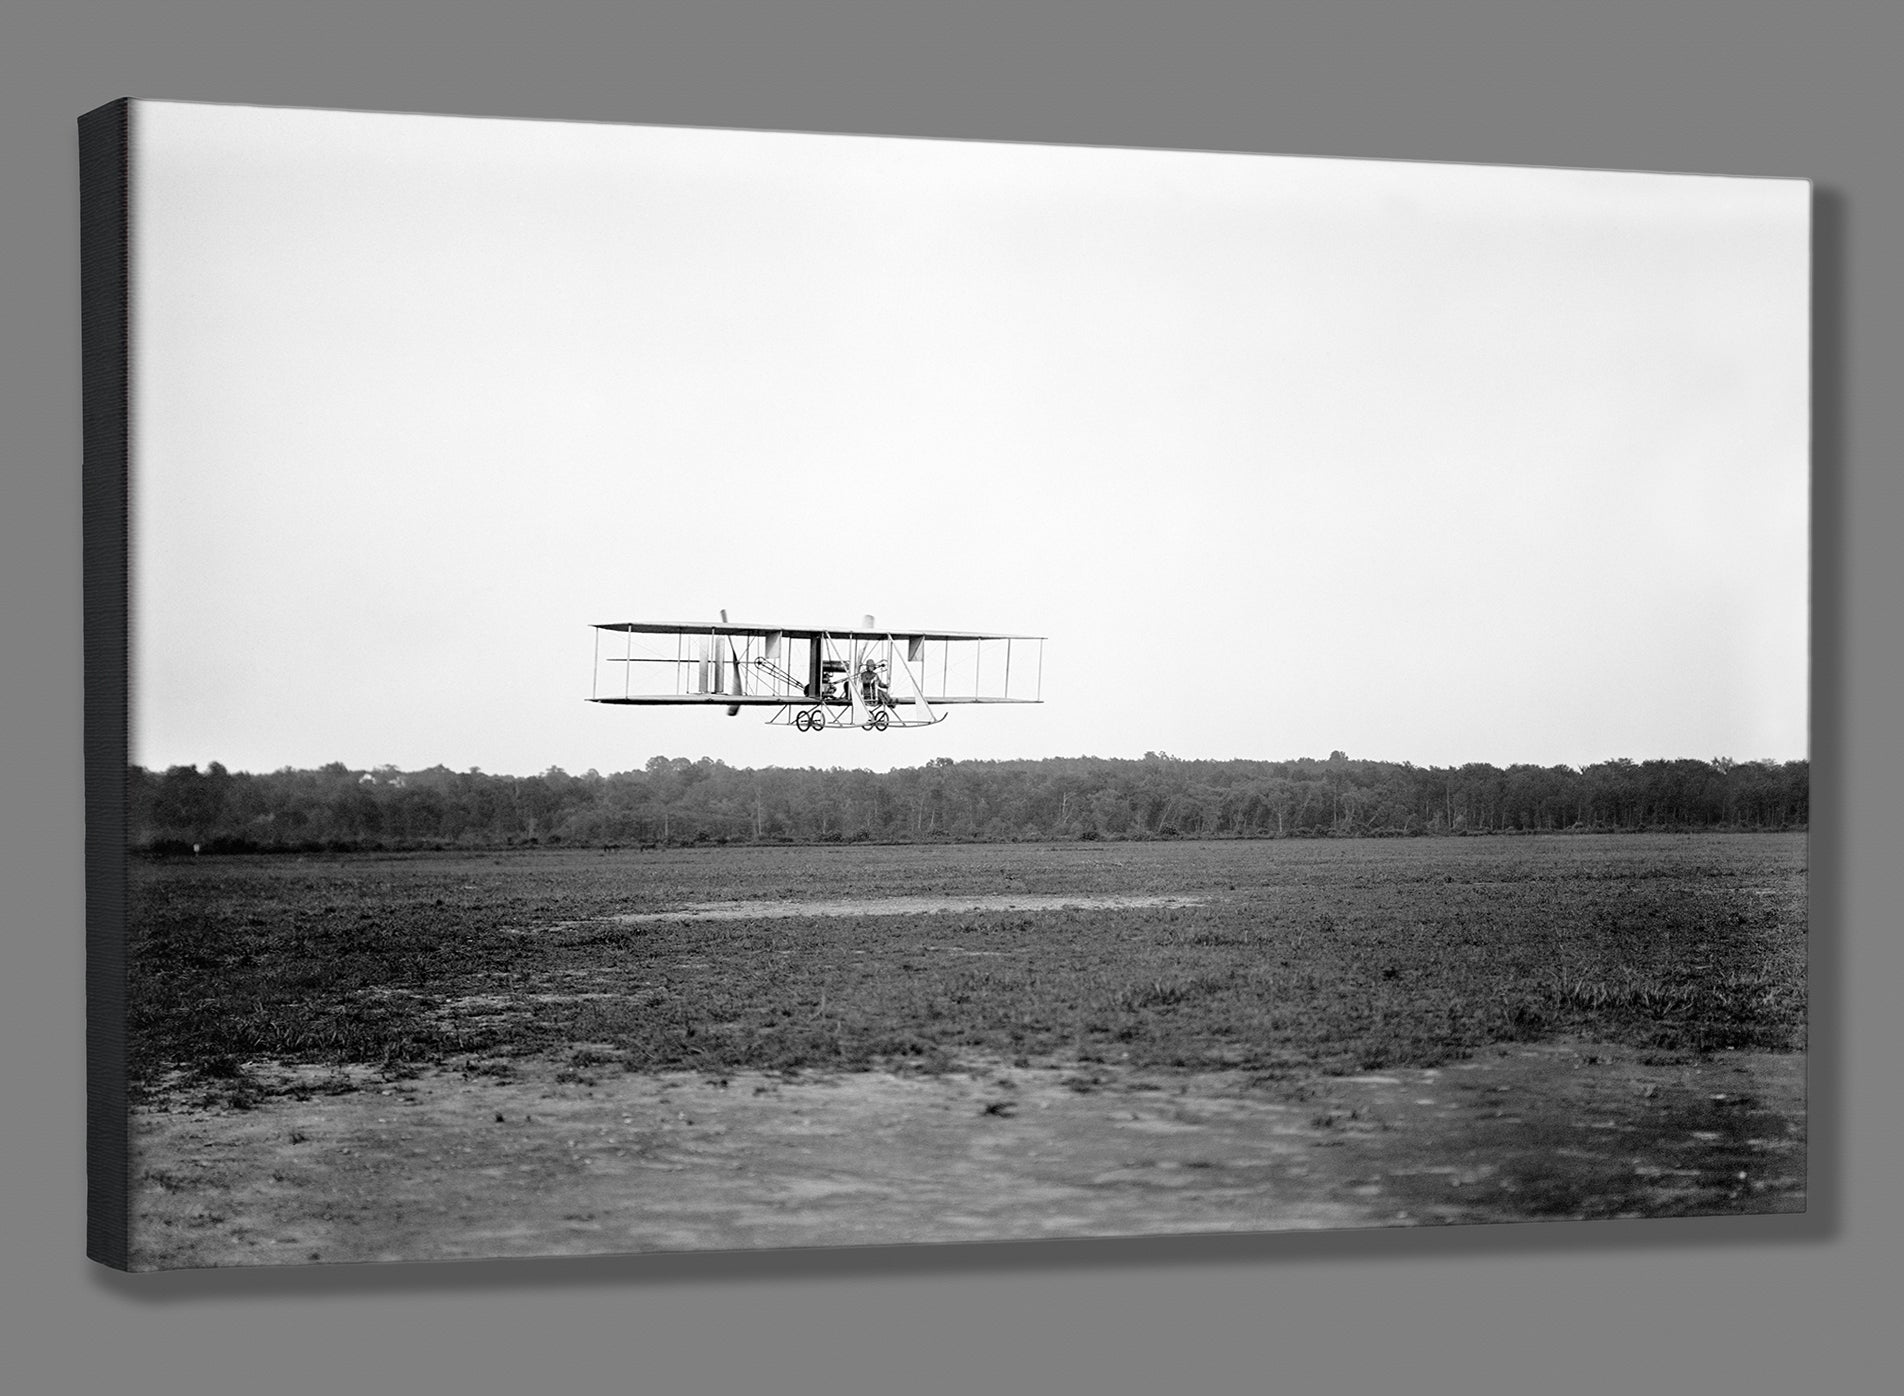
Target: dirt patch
908,905
509,1159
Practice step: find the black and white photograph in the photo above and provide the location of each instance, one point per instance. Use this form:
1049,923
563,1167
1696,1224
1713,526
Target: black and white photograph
698,689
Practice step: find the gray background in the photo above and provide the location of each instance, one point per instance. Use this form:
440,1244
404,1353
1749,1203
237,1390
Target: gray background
1773,1304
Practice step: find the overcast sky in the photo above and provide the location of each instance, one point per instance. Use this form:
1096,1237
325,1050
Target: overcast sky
1420,462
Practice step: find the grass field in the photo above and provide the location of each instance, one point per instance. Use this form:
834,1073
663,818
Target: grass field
1300,956
540,1053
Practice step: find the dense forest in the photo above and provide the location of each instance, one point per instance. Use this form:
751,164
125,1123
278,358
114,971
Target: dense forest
678,801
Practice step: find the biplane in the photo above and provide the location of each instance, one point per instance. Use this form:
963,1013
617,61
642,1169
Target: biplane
815,678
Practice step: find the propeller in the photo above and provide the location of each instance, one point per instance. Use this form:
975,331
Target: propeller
733,709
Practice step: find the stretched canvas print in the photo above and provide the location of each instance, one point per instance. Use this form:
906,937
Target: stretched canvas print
664,689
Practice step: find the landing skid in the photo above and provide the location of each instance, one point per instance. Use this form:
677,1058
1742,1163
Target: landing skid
840,716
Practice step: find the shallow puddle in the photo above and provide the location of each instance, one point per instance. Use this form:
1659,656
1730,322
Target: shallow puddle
901,906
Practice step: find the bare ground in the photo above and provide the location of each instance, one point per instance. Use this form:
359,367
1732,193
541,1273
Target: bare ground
537,1161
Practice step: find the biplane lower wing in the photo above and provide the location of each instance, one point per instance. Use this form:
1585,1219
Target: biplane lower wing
815,677
695,700
761,700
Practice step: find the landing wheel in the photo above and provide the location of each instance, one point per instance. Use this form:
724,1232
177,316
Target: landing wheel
803,720
816,719
882,719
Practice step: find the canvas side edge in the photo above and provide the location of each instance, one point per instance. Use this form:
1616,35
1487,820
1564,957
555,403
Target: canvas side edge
105,248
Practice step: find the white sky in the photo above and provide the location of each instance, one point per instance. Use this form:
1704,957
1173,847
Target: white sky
1422,462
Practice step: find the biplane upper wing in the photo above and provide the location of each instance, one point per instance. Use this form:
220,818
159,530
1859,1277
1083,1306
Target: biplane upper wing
798,632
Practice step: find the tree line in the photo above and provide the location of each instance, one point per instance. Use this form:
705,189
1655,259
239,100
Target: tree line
674,800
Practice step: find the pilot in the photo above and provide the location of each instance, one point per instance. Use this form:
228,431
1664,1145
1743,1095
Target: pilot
869,682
